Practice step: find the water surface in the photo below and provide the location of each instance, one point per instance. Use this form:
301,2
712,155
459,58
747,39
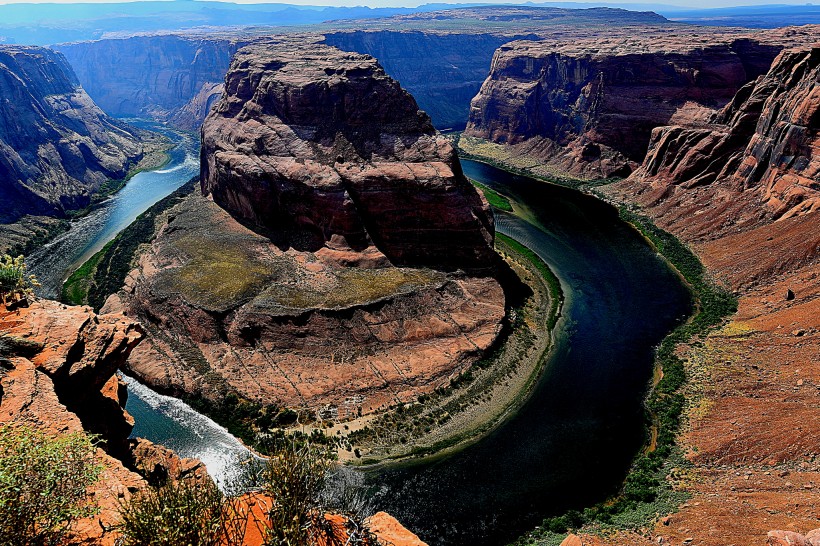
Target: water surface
54,262
572,442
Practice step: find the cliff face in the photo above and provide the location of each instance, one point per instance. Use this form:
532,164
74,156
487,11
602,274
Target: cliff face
315,146
442,71
166,77
743,193
756,162
344,294
58,369
56,146
589,107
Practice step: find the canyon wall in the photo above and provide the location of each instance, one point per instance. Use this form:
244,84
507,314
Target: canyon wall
755,163
56,146
170,77
588,107
442,71
313,146
326,266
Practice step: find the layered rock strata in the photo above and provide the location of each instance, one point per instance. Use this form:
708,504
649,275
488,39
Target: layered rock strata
747,205
588,107
317,147
756,162
173,78
56,146
350,296
58,373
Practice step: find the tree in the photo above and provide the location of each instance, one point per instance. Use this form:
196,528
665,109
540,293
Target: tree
44,483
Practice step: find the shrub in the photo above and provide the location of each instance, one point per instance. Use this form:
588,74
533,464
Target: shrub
295,478
44,483
14,283
195,514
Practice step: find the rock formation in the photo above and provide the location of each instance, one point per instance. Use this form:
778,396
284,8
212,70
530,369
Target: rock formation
443,71
56,146
588,107
348,298
172,78
743,193
756,162
314,147
58,373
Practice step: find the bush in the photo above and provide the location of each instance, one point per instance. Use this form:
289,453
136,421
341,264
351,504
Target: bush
14,283
44,483
195,514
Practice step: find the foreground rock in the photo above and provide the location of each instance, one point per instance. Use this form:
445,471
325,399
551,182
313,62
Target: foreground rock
60,376
56,146
588,107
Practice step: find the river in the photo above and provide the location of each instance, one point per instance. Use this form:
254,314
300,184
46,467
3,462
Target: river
571,443
54,262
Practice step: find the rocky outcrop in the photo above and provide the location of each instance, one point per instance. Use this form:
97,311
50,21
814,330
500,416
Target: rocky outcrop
56,146
317,147
172,78
760,154
587,107
58,369
348,294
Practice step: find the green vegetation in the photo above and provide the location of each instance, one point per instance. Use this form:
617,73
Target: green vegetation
44,483
648,489
183,512
495,199
288,492
470,406
104,273
14,283
556,295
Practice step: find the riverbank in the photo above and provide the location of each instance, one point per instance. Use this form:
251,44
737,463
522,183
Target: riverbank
32,232
476,401
652,486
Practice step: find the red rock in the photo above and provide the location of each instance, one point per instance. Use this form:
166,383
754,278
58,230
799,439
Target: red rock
813,537
311,145
572,540
786,538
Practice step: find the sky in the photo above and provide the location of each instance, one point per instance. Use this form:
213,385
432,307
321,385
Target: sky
415,3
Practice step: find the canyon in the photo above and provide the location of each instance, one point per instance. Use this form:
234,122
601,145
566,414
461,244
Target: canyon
440,57
57,148
340,260
586,108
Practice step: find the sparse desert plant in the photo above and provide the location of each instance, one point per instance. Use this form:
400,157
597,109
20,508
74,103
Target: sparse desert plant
184,512
44,483
295,478
14,283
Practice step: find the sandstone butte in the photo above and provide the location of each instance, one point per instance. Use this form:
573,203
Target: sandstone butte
744,196
68,383
587,107
56,146
340,260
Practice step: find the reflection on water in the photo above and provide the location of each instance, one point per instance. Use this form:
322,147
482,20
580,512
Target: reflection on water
54,262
